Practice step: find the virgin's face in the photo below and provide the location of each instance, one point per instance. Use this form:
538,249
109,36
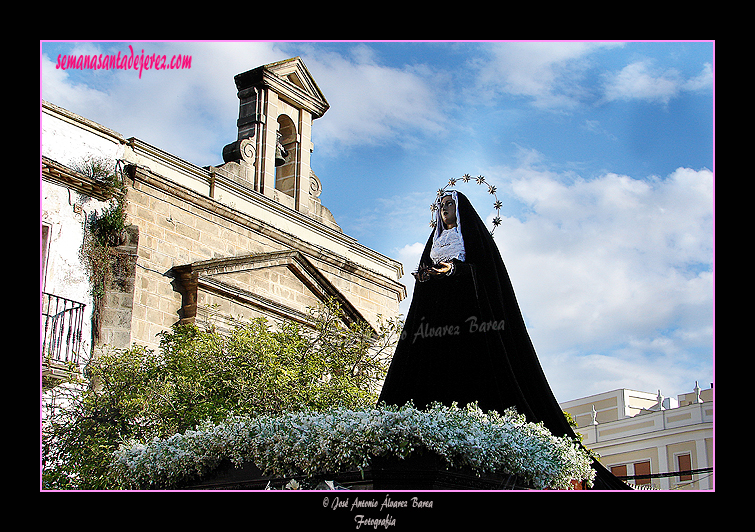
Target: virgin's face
448,211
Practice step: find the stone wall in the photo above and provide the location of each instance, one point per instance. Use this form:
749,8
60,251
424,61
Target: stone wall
179,227
118,302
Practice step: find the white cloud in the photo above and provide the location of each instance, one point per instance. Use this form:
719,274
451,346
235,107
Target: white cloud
703,81
594,126
549,73
176,110
58,88
373,104
554,75
642,80
614,266
573,375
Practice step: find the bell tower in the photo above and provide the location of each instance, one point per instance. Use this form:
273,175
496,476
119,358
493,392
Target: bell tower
277,104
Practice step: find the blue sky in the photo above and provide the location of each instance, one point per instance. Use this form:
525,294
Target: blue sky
602,154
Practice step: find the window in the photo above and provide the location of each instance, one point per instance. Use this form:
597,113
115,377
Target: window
619,470
43,251
684,463
642,468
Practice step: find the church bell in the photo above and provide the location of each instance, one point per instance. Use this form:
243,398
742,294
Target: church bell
280,152
280,155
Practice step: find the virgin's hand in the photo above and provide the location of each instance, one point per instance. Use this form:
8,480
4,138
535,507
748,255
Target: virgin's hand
442,269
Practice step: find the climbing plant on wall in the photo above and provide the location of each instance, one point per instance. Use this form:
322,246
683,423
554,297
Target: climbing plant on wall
102,230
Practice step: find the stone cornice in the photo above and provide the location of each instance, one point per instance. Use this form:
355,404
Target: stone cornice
176,164
284,238
55,172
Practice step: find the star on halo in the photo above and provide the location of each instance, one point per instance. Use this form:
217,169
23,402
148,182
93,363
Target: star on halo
466,178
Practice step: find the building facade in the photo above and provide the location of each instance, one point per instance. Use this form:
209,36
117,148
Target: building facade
68,199
650,437
246,238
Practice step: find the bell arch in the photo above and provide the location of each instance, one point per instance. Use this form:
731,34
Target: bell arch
286,156
277,104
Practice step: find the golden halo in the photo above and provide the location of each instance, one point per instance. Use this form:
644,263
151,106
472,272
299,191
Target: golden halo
466,178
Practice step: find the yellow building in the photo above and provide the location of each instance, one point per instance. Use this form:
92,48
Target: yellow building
659,442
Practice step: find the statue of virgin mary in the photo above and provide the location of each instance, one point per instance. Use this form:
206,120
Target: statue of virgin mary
464,338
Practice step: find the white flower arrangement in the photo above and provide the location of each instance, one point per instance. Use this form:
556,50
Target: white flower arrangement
317,443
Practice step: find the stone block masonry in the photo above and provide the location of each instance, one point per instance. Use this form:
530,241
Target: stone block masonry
179,227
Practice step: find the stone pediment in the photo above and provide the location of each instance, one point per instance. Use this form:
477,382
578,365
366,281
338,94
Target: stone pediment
294,71
282,283
291,80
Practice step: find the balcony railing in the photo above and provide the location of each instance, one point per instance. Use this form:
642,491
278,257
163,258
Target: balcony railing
63,319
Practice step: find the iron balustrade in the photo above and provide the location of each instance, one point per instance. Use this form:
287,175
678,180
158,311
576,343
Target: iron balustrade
685,473
63,321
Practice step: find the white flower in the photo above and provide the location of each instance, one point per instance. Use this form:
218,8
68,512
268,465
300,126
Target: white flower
311,443
292,485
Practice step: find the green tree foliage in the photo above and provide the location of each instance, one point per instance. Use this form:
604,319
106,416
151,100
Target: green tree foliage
200,374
